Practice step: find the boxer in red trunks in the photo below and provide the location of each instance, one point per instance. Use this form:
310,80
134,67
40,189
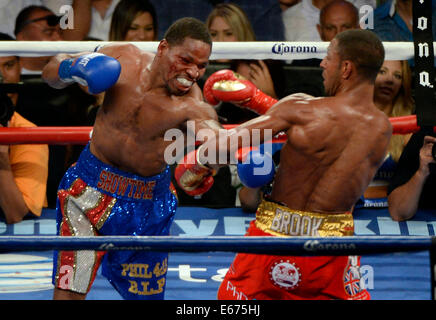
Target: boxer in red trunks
335,145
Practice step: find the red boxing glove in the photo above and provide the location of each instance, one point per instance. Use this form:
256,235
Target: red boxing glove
228,86
193,177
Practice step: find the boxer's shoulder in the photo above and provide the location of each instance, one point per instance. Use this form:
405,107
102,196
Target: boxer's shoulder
128,54
301,96
298,108
299,102
119,48
377,120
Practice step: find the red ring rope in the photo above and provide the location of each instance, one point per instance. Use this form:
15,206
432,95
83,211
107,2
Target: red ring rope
45,135
81,135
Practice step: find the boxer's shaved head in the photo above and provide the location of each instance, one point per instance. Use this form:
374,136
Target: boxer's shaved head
364,49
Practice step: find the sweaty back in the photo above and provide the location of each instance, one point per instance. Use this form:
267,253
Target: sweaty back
331,156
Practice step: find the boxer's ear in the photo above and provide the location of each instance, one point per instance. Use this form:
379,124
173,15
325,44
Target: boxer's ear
162,47
347,69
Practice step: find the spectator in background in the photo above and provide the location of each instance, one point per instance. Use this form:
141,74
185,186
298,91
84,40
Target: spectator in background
45,106
393,20
9,10
228,22
264,16
286,4
414,183
36,23
23,168
92,19
393,96
335,17
301,20
134,20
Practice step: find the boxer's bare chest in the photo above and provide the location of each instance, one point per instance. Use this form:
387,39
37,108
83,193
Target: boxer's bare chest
134,138
147,114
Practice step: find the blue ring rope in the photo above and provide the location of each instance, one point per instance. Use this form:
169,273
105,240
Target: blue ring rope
333,246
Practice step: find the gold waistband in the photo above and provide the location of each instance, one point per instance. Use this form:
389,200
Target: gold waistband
279,220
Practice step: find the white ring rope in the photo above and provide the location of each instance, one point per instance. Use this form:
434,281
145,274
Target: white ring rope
221,50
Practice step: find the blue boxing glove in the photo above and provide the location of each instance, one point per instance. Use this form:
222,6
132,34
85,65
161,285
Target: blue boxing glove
96,71
256,167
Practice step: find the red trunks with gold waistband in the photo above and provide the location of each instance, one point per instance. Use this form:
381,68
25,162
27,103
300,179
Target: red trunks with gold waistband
262,277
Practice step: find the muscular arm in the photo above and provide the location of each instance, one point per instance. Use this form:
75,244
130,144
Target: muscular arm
401,209
202,115
403,201
195,173
219,150
50,71
89,72
250,198
118,50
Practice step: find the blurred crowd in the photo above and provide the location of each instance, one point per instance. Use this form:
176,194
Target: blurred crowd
29,175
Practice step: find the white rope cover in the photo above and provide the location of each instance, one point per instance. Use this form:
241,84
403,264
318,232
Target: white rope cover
221,50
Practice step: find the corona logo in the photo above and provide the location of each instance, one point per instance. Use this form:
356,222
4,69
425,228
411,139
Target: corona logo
282,48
